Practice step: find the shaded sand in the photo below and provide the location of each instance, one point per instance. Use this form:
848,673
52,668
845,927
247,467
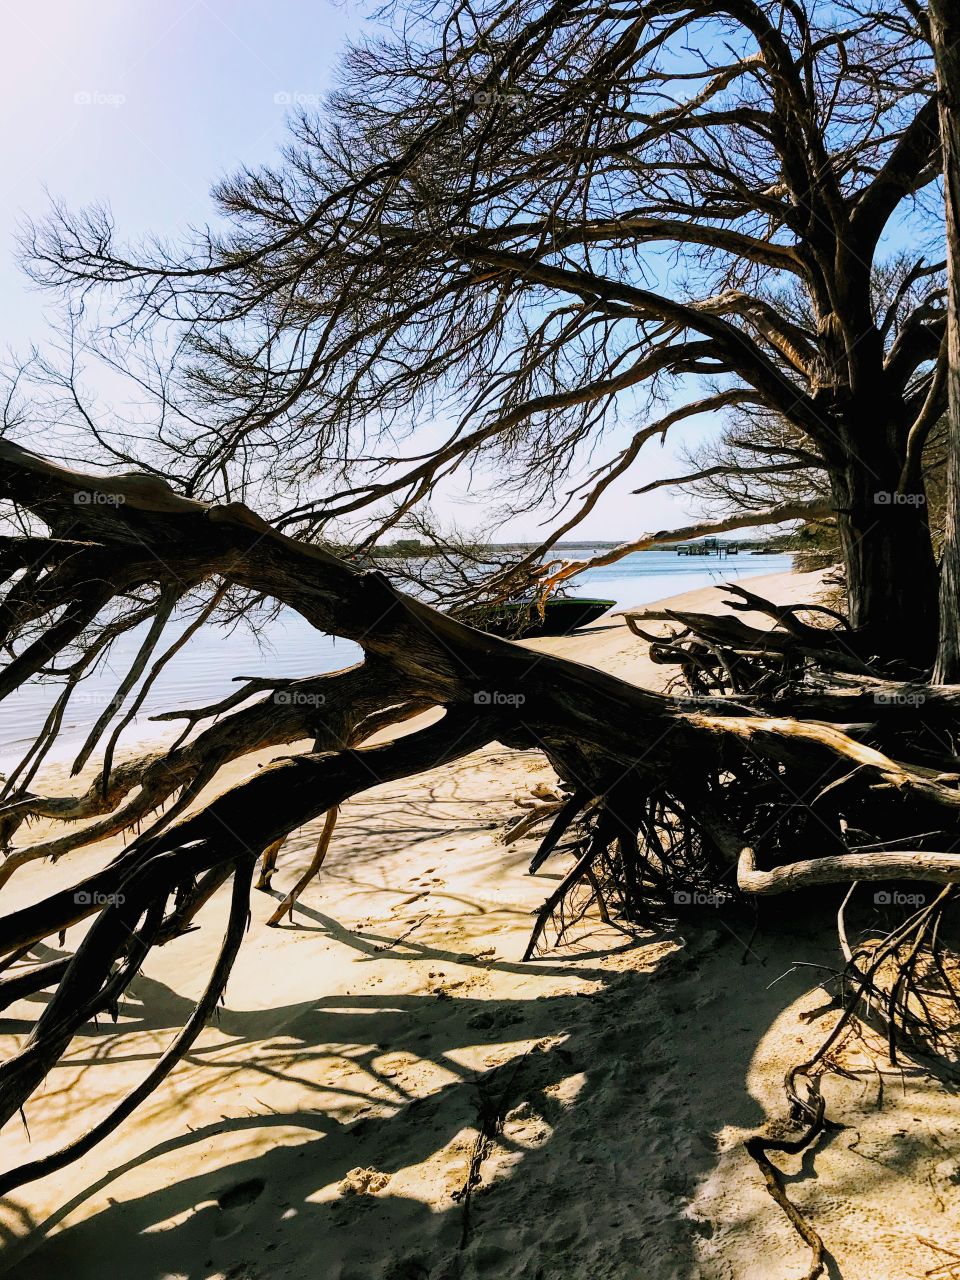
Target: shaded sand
326,1125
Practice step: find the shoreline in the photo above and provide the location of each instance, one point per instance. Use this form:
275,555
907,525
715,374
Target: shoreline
197,677
602,642
326,1123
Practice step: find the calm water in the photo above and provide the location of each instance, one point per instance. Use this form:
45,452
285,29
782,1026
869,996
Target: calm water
203,672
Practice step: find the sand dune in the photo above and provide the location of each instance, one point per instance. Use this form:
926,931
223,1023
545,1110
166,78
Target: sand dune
327,1124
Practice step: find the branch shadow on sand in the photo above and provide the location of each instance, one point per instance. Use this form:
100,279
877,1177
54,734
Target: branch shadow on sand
336,1135
604,1116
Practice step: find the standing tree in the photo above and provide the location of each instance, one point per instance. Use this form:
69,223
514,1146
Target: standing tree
758,462
945,29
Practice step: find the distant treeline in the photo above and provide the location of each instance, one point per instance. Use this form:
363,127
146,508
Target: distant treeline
404,548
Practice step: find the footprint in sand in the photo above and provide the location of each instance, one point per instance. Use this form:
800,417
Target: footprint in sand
414,897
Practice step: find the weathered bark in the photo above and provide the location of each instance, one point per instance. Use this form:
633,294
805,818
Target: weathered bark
945,34
888,557
891,864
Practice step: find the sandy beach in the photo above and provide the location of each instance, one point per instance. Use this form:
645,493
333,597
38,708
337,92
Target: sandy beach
389,1040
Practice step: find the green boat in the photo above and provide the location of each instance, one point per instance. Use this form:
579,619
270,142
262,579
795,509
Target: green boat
521,619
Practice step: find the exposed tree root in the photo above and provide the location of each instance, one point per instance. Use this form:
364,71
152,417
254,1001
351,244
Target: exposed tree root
788,762
316,862
206,1005
268,864
867,992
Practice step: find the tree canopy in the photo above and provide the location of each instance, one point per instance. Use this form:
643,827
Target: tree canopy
531,218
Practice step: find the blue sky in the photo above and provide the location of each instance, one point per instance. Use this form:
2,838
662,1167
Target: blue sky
144,106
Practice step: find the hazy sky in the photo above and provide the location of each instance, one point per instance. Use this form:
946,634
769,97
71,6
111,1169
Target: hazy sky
144,106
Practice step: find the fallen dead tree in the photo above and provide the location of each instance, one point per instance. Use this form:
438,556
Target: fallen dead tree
810,776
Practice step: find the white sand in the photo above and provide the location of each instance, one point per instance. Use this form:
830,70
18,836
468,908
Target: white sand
323,1127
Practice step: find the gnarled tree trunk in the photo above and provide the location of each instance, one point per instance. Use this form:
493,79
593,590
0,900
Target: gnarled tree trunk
945,31
889,560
